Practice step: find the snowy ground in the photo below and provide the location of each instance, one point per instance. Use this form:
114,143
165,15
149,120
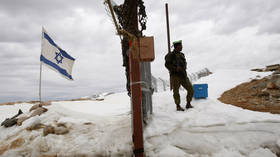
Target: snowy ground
103,128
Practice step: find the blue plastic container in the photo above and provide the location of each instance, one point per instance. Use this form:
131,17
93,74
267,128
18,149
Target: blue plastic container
200,91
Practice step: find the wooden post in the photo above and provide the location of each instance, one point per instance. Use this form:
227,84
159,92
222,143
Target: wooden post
135,77
136,100
136,97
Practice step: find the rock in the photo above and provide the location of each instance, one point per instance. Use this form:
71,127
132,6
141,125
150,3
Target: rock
254,103
253,79
9,122
270,85
254,94
267,98
47,103
260,106
276,73
61,125
260,85
36,124
258,70
61,130
48,130
48,155
38,111
88,123
263,93
21,119
3,149
277,83
34,107
43,145
276,95
278,143
17,143
242,100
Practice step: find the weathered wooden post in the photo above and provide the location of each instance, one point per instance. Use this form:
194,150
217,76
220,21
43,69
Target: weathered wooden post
135,87
132,40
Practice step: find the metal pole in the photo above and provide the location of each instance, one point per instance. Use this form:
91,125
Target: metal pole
168,37
40,88
40,96
167,25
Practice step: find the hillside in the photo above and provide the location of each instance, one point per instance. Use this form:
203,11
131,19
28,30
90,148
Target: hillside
103,127
260,94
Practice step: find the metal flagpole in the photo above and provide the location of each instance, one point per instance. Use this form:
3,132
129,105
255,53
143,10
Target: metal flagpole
168,37
40,96
167,25
40,82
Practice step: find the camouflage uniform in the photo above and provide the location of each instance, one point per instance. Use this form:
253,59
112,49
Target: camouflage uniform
174,60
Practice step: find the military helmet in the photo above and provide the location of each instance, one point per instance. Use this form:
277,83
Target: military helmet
176,43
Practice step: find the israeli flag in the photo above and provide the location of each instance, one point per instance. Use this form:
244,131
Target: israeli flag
56,58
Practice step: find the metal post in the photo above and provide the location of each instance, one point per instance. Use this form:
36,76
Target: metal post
167,25
168,37
154,84
40,96
40,83
147,90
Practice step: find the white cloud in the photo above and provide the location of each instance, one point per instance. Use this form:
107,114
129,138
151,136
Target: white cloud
210,30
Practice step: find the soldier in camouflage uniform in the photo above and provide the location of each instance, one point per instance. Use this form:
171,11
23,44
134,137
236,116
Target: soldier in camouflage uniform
176,64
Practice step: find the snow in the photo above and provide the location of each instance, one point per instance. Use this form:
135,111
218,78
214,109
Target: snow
103,128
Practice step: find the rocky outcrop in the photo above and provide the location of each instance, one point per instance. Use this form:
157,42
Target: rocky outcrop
258,95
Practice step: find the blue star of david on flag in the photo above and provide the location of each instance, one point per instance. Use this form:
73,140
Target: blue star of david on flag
55,57
58,58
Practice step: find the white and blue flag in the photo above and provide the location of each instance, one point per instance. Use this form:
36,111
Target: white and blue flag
56,58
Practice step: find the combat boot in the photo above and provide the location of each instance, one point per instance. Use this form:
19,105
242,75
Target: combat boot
188,105
179,108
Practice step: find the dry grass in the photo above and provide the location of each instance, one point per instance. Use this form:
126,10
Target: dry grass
44,103
8,103
80,99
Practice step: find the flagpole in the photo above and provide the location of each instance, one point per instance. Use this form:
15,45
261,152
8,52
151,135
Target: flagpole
40,82
40,89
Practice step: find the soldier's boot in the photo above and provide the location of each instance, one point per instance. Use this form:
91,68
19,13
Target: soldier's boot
188,105
179,108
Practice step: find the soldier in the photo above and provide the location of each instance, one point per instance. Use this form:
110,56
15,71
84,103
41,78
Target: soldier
176,64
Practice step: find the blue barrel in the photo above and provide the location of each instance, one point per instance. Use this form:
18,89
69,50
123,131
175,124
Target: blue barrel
200,91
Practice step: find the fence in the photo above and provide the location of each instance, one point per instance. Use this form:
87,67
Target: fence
159,84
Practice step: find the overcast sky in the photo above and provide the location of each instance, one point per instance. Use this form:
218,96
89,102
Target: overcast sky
211,30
